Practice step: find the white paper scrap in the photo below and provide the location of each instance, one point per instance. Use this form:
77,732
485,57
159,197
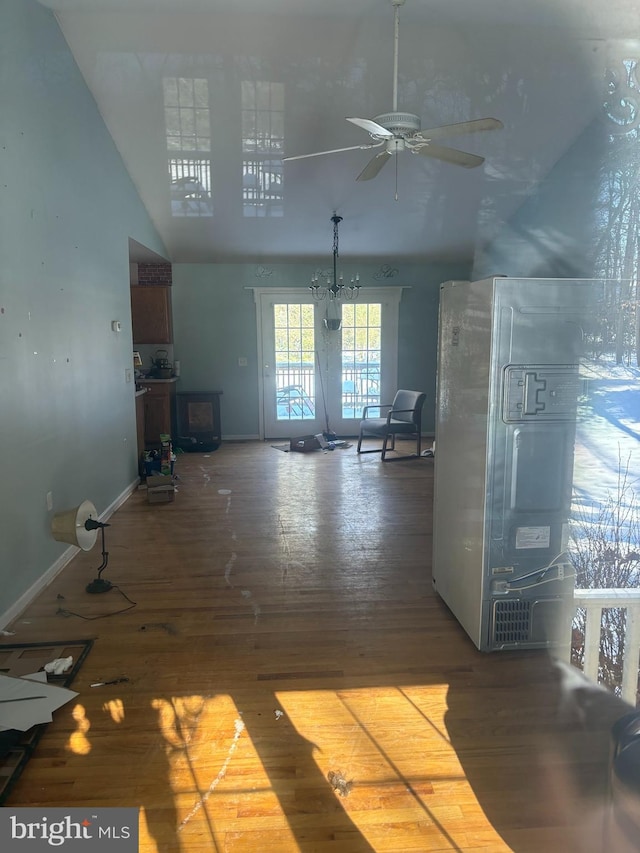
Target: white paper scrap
25,703
59,665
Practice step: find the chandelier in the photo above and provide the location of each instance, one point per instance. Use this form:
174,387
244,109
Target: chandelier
335,289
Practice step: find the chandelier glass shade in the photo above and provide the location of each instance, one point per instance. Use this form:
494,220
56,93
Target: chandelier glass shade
334,288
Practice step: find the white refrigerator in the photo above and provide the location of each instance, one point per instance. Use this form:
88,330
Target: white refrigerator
508,385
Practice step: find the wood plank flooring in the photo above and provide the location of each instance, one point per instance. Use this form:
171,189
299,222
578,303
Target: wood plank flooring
285,627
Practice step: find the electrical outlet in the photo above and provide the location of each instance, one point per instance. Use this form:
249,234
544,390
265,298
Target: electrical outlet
49,500
242,362
500,587
128,375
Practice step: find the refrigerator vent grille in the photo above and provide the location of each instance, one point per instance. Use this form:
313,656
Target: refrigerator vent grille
512,621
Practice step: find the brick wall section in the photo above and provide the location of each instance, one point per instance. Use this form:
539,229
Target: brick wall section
154,274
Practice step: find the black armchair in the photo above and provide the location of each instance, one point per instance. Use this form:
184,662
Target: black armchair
404,417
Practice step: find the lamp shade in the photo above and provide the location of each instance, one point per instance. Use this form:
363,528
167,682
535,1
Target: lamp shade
69,526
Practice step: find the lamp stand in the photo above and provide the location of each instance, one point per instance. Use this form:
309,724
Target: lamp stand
99,585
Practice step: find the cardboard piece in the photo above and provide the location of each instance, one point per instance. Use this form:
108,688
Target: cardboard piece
25,702
160,489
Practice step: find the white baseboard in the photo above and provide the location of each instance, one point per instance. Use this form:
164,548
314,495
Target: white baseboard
63,560
241,438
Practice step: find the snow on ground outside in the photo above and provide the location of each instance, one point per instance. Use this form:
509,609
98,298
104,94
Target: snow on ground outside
608,433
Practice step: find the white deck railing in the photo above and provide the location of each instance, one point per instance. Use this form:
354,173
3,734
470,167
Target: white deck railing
594,601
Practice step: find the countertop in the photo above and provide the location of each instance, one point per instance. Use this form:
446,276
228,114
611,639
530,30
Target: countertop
142,383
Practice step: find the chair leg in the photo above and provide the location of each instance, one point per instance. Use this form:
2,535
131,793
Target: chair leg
384,446
359,450
390,444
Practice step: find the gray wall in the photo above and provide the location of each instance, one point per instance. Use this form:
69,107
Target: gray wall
67,416
215,324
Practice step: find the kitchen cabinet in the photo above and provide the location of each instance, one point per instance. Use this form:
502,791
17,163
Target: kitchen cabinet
151,314
159,411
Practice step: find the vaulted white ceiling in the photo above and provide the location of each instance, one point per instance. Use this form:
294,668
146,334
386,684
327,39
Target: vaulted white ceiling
537,65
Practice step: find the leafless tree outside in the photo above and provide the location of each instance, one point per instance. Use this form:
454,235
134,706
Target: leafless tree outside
605,550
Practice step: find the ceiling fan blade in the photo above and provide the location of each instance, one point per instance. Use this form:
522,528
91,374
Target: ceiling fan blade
449,155
373,166
333,151
371,127
460,127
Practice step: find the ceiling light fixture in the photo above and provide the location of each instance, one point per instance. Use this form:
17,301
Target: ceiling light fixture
335,289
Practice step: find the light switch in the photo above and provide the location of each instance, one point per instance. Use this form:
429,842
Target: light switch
242,362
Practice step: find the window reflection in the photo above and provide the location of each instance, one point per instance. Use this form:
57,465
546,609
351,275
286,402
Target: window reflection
263,140
188,129
618,205
605,531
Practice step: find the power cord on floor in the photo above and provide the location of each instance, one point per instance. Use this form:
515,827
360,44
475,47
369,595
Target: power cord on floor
61,611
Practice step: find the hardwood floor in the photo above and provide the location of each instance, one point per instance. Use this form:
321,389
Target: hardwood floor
286,628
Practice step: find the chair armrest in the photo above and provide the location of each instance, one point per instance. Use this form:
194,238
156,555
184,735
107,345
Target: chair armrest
393,412
377,406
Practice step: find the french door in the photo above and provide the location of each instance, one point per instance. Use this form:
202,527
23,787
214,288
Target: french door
322,362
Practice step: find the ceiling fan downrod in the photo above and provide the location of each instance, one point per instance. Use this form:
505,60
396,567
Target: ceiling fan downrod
396,46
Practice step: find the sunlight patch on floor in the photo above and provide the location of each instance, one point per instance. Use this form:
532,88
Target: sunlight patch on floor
79,743
208,749
360,735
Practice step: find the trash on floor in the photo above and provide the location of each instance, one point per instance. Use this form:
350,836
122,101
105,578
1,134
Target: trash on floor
307,443
304,443
59,665
339,783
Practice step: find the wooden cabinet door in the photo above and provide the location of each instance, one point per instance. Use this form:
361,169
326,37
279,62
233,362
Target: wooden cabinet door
158,413
151,314
140,433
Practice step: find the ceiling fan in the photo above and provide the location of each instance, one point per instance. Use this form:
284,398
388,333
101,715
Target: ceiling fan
395,131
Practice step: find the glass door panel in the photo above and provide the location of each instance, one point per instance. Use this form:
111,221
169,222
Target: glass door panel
290,376
316,377
362,358
361,352
295,348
